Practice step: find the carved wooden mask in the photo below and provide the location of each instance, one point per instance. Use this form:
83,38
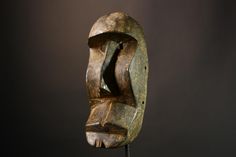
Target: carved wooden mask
116,81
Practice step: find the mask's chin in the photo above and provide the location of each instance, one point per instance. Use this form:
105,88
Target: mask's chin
99,139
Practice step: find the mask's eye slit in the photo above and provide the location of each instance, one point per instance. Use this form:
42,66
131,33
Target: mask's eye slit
108,83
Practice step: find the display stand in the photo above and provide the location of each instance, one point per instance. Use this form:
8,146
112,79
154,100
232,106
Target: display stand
127,151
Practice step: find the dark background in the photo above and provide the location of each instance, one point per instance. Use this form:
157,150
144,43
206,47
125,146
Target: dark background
192,81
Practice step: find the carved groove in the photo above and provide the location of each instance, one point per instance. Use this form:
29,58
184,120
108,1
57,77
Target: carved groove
109,76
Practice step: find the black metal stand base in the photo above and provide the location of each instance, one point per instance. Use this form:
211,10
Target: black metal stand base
127,150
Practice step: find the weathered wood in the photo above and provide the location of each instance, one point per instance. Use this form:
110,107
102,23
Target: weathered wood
116,80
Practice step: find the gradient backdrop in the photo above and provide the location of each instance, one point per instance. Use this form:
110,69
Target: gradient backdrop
192,83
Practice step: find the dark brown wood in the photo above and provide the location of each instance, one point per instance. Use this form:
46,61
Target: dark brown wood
116,80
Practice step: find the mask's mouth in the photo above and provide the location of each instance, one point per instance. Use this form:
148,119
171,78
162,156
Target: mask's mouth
106,128
105,136
104,140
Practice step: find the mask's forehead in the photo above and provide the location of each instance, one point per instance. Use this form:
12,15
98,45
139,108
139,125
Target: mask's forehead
117,23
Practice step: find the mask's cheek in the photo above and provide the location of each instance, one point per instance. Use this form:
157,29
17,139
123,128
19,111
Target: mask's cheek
106,140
